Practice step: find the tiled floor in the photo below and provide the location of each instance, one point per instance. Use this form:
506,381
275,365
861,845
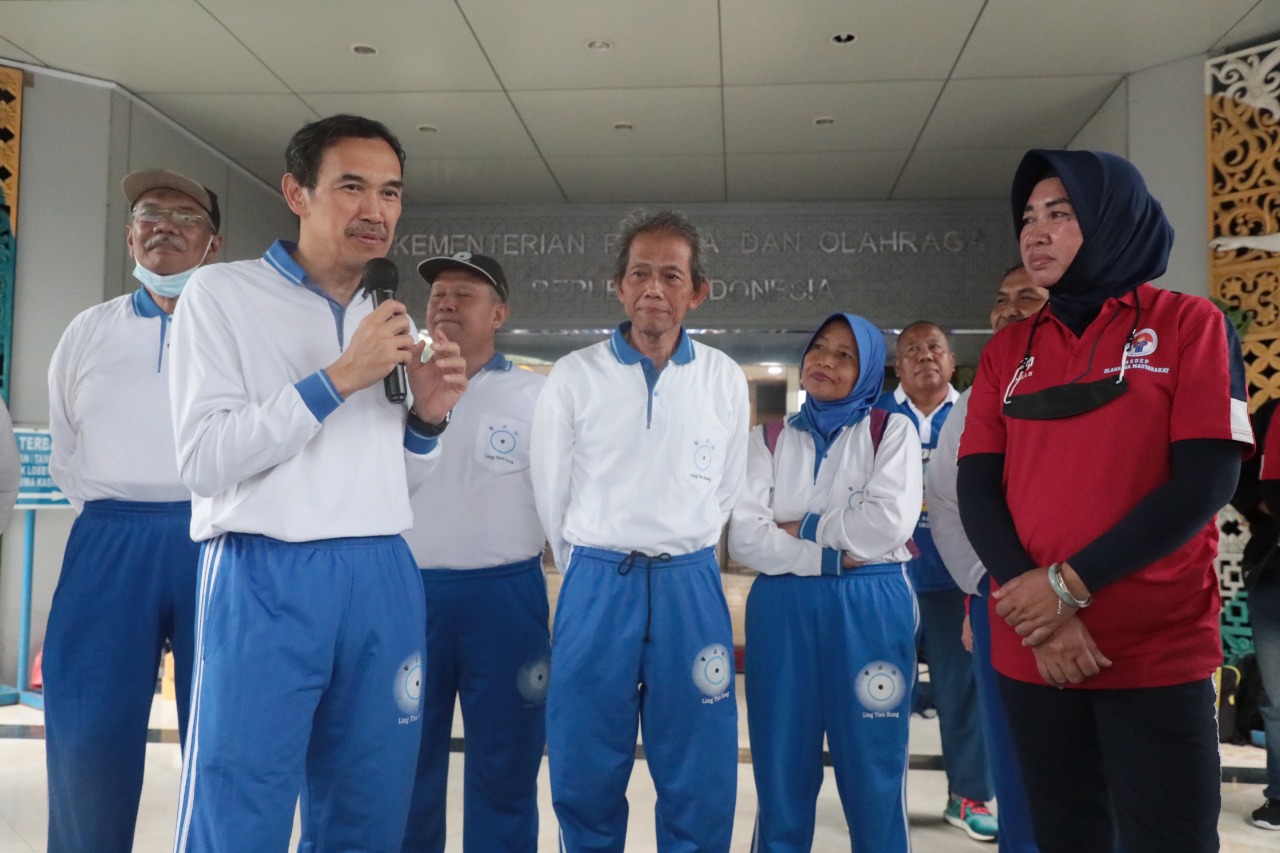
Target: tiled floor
23,809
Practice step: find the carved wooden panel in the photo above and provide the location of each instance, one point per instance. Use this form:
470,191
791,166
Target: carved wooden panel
1242,121
10,144
1243,125
10,137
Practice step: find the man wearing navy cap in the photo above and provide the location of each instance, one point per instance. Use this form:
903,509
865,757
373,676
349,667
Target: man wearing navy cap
479,544
128,579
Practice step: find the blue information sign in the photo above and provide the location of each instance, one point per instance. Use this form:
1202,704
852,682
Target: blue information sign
36,490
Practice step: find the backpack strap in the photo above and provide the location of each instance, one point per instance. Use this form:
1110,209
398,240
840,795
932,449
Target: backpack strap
772,429
879,417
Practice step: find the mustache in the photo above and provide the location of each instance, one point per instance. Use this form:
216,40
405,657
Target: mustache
170,240
366,230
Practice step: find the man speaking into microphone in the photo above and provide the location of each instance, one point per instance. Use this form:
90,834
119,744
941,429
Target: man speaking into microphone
311,623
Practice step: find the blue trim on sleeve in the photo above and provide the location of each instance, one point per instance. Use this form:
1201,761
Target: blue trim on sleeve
1235,362
318,393
416,442
832,562
809,526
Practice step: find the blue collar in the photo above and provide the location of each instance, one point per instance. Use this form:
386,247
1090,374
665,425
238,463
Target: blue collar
498,362
280,256
144,304
627,354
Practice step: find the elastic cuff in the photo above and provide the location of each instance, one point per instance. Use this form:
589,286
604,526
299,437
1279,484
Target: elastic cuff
416,442
809,526
318,393
832,562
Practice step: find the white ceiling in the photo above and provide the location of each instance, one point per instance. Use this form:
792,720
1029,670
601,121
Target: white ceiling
933,99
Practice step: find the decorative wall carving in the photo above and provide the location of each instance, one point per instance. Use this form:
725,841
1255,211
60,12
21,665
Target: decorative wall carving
10,145
1242,120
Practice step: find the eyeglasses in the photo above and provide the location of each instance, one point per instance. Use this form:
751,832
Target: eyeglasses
179,218
1074,397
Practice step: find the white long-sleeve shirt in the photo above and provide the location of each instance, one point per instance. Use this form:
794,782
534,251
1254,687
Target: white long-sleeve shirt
263,440
483,513
865,501
944,506
623,464
109,414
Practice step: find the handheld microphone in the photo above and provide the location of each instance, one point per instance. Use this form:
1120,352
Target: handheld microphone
380,278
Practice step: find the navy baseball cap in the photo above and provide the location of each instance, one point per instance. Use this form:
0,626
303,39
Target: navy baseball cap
486,267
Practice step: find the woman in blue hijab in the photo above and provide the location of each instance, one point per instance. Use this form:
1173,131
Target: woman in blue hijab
1102,437
831,500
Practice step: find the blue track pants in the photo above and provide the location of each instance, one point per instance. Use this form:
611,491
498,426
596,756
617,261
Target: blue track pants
128,583
488,643
964,749
1016,834
833,656
307,682
646,642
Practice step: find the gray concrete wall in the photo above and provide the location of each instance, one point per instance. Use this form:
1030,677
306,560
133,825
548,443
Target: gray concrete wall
1167,143
1108,130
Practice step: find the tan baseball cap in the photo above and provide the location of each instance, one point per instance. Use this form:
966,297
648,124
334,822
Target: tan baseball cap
145,180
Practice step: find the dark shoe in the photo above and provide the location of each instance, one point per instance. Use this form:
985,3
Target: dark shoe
1268,816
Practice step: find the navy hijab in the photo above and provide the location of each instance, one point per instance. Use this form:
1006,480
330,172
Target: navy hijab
824,419
1127,238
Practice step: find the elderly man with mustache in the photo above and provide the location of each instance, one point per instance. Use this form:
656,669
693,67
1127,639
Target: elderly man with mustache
128,579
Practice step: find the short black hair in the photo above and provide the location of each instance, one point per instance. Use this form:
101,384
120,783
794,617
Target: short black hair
663,222
306,149
919,324
1013,268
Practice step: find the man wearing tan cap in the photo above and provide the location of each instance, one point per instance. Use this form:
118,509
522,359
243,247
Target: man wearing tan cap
128,579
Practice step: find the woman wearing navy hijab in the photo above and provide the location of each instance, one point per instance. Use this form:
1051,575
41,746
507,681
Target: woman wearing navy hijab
1102,437
829,506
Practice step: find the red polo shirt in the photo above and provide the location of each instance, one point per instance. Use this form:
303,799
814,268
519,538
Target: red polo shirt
1067,481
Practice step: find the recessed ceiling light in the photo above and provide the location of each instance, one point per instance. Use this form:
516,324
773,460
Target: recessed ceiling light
428,128
775,370
824,121
599,44
623,125
363,49
843,38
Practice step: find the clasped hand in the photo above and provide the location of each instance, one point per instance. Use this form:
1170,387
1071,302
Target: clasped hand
1065,651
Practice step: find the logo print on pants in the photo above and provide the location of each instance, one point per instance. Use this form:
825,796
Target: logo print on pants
712,672
532,679
880,686
408,684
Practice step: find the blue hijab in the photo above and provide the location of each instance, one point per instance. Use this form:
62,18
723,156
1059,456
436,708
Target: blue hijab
1127,238
824,420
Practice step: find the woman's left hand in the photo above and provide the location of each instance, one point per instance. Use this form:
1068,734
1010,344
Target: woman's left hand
1029,604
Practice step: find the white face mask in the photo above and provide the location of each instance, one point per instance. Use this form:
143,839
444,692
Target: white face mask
169,286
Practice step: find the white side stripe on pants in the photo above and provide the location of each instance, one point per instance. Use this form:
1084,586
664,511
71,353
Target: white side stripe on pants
212,555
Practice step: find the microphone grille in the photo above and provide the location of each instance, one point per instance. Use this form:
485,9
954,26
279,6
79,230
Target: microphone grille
380,274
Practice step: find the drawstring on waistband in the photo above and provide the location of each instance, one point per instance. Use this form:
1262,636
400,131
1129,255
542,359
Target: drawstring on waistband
624,568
